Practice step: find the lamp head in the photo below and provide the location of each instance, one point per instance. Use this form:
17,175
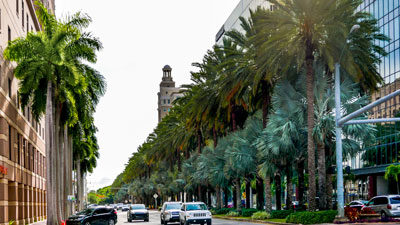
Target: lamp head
354,28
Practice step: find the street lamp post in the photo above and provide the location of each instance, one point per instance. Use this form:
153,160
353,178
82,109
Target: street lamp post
339,151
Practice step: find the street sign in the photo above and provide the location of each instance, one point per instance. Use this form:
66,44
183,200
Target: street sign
155,196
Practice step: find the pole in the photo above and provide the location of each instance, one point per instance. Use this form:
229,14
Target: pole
339,155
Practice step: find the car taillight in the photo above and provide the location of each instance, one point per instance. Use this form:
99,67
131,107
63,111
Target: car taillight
389,206
115,212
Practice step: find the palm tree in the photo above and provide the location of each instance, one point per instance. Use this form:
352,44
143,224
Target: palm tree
47,61
300,31
393,171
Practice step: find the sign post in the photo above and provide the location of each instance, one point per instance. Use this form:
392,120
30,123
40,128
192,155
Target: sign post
155,198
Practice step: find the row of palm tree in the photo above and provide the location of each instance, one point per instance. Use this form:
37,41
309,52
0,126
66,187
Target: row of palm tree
57,82
259,111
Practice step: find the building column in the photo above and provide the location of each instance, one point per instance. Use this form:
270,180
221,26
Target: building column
31,214
13,201
21,204
371,186
3,200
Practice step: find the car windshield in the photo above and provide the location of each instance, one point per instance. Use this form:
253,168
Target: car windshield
364,202
86,212
191,207
135,207
395,200
172,206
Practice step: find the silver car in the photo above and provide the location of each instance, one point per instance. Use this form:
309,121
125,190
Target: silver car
385,205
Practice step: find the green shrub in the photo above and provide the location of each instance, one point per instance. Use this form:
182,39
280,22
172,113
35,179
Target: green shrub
260,215
248,212
312,217
280,214
222,211
233,214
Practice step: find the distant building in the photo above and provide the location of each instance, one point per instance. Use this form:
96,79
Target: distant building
241,10
22,145
168,93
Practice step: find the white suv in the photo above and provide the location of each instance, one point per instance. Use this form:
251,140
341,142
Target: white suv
194,213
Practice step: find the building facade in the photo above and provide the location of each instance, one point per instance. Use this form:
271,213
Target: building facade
168,93
241,10
22,145
369,166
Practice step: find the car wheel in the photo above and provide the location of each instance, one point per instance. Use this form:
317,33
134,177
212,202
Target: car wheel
209,223
111,222
383,215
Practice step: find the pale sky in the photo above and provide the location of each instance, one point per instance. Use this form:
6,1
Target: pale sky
139,38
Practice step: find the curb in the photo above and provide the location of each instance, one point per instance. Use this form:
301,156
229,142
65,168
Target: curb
252,221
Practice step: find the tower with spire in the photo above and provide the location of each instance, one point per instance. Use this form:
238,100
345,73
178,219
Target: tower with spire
168,93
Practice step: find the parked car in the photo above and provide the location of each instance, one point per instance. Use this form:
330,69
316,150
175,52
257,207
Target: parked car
92,206
125,208
138,212
170,212
195,213
385,205
358,204
98,216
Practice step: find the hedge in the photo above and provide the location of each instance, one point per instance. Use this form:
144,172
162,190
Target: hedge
222,211
280,214
312,217
248,212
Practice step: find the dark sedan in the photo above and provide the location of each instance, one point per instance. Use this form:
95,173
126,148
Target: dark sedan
138,212
94,216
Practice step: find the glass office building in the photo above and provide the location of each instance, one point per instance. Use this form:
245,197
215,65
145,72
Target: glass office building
370,165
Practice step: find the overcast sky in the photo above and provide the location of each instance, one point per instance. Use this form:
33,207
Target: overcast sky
139,38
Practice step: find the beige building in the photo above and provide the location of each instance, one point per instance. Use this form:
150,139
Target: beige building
241,10
22,146
168,93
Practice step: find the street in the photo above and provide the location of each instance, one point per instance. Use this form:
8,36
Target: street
155,219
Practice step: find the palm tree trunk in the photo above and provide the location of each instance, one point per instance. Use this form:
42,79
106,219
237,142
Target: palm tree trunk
218,196
268,196
66,172
278,191
79,182
59,166
226,193
178,155
234,197
289,187
300,174
260,192
248,194
199,141
310,127
238,195
215,136
329,190
322,176
50,142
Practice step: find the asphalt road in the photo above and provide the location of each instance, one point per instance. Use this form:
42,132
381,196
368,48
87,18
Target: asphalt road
155,219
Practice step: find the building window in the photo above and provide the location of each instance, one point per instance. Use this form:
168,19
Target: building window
27,23
17,5
165,110
165,102
9,87
169,101
10,144
23,153
19,148
9,34
23,12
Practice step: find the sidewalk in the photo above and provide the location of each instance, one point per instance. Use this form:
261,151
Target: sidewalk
43,222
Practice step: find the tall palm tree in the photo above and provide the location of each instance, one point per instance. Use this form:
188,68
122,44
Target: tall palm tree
300,31
46,61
